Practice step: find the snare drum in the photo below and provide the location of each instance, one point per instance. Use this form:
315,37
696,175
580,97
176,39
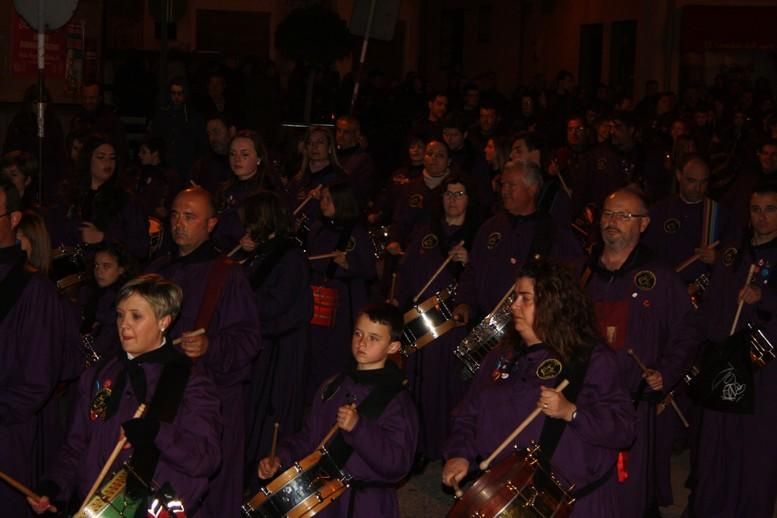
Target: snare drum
303,490
517,487
68,270
484,337
427,321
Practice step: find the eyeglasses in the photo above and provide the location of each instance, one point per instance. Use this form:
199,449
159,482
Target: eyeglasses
454,194
621,216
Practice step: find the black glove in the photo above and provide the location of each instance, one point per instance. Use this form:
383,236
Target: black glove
141,431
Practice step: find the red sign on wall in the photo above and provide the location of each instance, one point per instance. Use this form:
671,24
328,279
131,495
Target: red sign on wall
24,50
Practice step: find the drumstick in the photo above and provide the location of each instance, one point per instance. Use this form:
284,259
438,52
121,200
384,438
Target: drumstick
521,427
326,256
198,332
274,439
502,300
234,250
302,204
434,275
692,259
750,274
668,398
457,490
26,491
108,463
564,185
393,287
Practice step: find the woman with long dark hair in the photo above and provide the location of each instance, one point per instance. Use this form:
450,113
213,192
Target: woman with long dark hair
338,282
581,429
432,371
279,274
96,208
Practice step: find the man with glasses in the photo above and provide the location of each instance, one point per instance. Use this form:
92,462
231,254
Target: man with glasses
32,329
639,302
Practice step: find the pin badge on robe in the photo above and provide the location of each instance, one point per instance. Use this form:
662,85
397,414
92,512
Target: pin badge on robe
416,201
729,256
548,369
351,244
429,241
601,164
493,239
99,407
645,280
671,225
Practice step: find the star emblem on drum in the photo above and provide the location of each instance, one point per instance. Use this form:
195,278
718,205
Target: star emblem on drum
429,241
493,239
550,368
671,226
645,280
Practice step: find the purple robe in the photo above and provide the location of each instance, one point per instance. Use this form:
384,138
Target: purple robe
189,446
383,449
128,226
737,457
31,361
501,247
98,318
587,451
433,371
640,307
675,230
277,387
331,346
360,168
233,344
413,207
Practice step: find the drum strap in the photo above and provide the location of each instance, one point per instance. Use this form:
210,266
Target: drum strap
217,275
164,407
552,430
12,286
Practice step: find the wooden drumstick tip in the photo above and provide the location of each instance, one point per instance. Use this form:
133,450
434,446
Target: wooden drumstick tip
457,490
196,332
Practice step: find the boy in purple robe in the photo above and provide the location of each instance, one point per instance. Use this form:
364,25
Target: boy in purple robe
32,345
554,339
174,441
375,418
218,299
735,473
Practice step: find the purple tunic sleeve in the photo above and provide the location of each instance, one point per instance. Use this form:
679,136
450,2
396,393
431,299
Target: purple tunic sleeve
233,337
387,444
193,441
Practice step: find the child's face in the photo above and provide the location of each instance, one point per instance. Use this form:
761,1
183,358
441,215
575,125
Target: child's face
371,344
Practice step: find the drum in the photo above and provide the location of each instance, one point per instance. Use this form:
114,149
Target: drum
427,321
517,487
324,306
68,270
111,500
303,490
484,337
156,235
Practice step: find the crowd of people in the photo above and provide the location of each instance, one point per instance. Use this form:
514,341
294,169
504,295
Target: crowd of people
213,308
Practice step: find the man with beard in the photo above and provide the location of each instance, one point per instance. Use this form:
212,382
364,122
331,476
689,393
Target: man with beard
639,302
217,298
210,171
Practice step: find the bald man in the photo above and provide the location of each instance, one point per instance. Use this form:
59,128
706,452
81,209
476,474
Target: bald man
232,339
639,303
687,222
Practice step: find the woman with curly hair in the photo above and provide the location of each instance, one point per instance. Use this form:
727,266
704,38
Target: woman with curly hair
579,430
